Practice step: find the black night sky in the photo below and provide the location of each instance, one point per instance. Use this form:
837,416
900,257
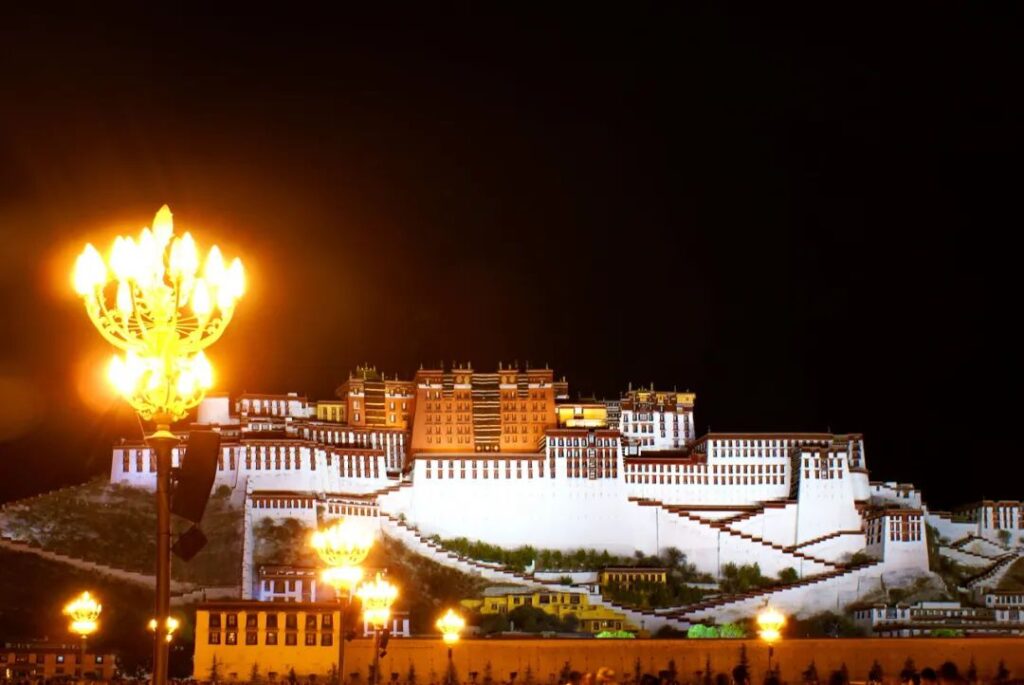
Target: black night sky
805,218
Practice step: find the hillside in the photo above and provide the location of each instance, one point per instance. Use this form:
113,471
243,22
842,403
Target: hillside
114,525
33,592
426,587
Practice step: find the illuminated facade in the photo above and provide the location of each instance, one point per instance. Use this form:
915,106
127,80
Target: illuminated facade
505,457
37,661
592,619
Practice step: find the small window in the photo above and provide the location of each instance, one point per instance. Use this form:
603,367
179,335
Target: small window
250,620
311,639
60,658
251,637
215,620
291,639
231,638
232,620
310,621
326,640
271,637
291,622
214,638
327,621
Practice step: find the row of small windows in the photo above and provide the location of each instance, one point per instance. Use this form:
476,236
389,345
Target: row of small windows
483,469
687,479
40,657
582,442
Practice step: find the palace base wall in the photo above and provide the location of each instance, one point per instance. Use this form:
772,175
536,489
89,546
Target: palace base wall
546,657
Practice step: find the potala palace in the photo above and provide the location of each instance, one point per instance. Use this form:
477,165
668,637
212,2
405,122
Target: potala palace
506,457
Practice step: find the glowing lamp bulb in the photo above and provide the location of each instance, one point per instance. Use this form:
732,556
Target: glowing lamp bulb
770,623
84,611
90,271
450,625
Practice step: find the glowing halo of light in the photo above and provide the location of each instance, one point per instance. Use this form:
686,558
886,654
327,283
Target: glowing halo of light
150,300
84,612
450,625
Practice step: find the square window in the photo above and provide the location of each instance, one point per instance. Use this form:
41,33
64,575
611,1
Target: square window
250,620
231,638
250,637
311,639
214,638
326,640
214,621
271,621
271,638
291,639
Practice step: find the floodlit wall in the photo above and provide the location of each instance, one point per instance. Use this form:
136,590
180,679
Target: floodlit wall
545,658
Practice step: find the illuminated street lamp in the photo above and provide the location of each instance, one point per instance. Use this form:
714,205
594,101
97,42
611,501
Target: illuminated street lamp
377,598
450,625
342,547
84,612
172,625
151,300
770,623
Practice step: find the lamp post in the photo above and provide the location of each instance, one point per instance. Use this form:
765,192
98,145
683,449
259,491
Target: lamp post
84,611
770,623
342,547
450,625
149,299
377,598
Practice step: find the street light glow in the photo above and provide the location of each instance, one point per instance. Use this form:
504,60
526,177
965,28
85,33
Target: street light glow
450,625
150,300
172,625
84,611
770,623
344,544
377,597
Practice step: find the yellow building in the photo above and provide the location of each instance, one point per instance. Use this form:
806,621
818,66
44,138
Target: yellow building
592,619
333,411
628,576
277,637
44,660
582,415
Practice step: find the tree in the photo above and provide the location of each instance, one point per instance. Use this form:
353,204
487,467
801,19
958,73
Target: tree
292,677
788,576
708,677
731,631
1004,537
1002,673
214,675
410,675
810,674
672,672
909,670
254,674
488,675
563,675
840,676
948,671
875,673
528,677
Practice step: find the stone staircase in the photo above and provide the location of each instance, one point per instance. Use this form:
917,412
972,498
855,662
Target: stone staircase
823,538
783,596
681,511
990,577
